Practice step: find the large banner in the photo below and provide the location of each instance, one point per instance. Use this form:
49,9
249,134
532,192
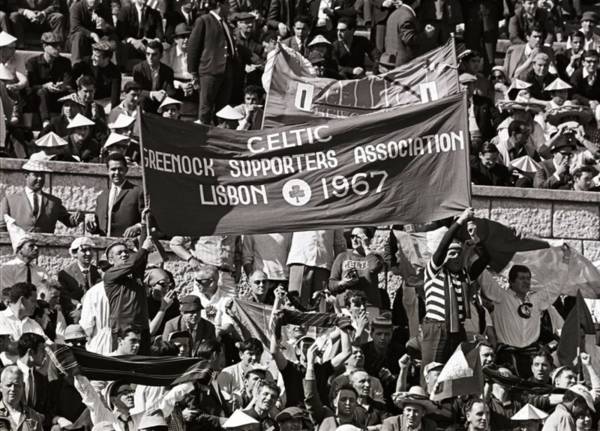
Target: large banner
296,96
407,165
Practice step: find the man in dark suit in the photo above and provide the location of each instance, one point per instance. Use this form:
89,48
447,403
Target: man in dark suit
31,350
89,21
118,209
401,34
33,209
519,58
212,59
138,24
38,14
190,320
76,278
555,172
299,40
485,169
568,61
282,15
179,12
527,16
155,78
586,80
350,50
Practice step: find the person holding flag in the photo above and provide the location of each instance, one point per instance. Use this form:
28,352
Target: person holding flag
446,283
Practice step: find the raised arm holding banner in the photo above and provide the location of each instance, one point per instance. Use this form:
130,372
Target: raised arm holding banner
408,165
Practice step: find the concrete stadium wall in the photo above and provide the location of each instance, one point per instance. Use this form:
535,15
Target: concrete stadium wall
552,214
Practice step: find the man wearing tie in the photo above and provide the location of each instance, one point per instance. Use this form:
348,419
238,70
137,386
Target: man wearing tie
212,59
138,24
32,355
77,278
119,209
33,209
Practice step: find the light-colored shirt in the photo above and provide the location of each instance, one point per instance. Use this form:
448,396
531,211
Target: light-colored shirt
15,271
217,250
316,248
10,324
268,253
511,328
95,320
31,195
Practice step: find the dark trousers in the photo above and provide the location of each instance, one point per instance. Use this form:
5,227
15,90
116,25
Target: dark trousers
438,344
56,21
46,103
215,93
518,359
306,280
481,28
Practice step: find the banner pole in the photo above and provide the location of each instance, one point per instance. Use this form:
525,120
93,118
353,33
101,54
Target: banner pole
455,58
270,63
144,186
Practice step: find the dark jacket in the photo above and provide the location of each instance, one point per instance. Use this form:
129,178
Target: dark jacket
204,330
151,26
142,74
498,175
39,72
207,47
518,26
285,11
126,211
108,80
545,178
582,91
486,116
401,35
74,283
80,19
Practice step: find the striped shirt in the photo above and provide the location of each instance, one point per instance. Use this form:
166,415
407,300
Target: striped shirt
435,295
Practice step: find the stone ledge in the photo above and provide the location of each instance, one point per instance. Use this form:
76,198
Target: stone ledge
69,168
536,194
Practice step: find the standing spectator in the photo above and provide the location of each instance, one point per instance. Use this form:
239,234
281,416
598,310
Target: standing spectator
40,14
139,25
128,341
154,77
179,12
118,210
95,320
477,415
481,27
176,58
11,405
15,320
106,74
78,277
350,50
586,81
583,179
89,21
260,290
282,15
261,408
471,62
33,209
358,268
576,399
49,76
525,18
162,301
377,13
249,49
267,253
31,348
482,113
212,58
299,40
401,33
126,295
446,300
310,258
541,367
589,20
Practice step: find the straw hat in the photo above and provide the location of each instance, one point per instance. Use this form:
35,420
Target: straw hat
584,393
51,140
6,39
114,139
416,395
557,85
35,166
80,121
228,113
319,40
121,122
17,234
168,101
529,413
239,419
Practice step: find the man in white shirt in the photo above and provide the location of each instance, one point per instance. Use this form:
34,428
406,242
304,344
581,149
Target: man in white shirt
95,321
517,317
267,253
15,319
310,258
32,355
176,58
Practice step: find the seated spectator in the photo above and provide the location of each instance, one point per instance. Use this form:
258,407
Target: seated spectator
301,30
12,409
518,58
179,12
229,118
500,83
322,46
478,415
251,109
49,76
532,137
132,96
123,125
190,320
586,81
154,78
293,418
471,62
41,15
323,66
589,21
82,143
128,341
262,406
249,48
541,367
350,50
577,400
401,36
75,336
115,143
583,179
140,24
555,172
162,301
89,20
569,61
376,410
415,405
33,209
13,81
53,147
107,77
170,108
559,93
526,17
486,170
482,113
15,320
71,106
231,378
93,111
539,77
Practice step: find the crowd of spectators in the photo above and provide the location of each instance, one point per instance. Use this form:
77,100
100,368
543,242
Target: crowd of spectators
533,120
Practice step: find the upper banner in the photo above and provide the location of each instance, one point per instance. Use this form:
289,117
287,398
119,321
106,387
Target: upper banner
407,165
296,96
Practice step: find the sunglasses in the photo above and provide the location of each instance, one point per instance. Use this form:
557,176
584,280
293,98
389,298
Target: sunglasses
203,280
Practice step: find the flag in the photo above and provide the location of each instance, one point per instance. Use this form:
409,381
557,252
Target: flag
462,374
296,96
578,327
2,126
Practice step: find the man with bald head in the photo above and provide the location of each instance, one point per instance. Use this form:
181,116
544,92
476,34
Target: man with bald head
376,411
12,387
259,289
